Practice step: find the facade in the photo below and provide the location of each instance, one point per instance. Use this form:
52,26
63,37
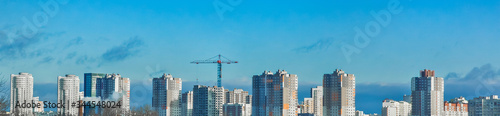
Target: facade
317,96
248,99
38,109
187,104
237,109
237,96
208,101
90,84
115,88
339,91
81,109
305,114
167,95
484,106
456,107
68,91
396,108
427,94
274,94
359,113
21,90
125,94
307,106
237,103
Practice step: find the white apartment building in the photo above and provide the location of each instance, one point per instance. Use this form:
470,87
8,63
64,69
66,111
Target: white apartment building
167,95
359,113
396,108
307,106
317,96
68,91
187,104
456,107
339,91
21,90
237,96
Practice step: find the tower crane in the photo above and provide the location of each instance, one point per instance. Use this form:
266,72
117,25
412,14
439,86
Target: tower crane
219,59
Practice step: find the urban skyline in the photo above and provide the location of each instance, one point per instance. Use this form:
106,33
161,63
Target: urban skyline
230,101
382,42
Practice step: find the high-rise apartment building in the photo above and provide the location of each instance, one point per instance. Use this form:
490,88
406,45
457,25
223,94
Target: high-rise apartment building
307,106
339,94
21,90
274,94
237,109
237,103
484,106
90,84
187,104
167,95
427,94
456,107
113,87
395,108
317,96
208,101
237,96
68,91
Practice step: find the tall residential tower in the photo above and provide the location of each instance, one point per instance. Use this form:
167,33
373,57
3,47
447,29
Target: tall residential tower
208,101
90,84
427,94
187,104
113,87
339,91
68,91
317,96
274,94
21,90
167,95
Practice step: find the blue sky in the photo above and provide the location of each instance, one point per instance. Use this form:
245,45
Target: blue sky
142,39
